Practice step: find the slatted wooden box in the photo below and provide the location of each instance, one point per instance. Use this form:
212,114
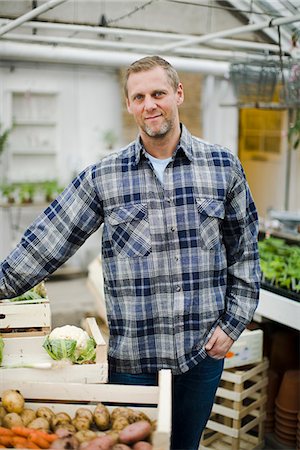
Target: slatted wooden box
238,414
25,318
20,352
155,401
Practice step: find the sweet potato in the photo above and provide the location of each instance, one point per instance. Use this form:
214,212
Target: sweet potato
105,442
121,447
142,445
135,432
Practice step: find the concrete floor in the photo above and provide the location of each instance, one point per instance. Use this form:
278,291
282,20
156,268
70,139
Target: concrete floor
70,300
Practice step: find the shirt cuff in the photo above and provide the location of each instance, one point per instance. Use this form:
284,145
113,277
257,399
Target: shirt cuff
232,326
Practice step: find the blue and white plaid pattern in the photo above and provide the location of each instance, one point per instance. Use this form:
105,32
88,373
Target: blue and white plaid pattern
178,259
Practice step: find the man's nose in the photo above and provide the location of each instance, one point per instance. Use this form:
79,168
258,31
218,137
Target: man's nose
149,102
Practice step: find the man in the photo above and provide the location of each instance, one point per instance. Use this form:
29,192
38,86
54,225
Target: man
180,258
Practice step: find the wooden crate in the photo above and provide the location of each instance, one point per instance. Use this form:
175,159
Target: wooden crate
248,349
155,401
238,414
25,318
22,351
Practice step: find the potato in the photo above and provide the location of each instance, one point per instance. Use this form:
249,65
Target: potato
67,426
120,423
68,443
142,445
135,432
13,401
84,412
81,423
40,423
3,412
27,416
12,420
45,412
62,432
120,411
101,417
85,435
142,416
58,418
101,443
121,447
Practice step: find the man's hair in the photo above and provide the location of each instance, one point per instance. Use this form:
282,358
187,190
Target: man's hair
148,63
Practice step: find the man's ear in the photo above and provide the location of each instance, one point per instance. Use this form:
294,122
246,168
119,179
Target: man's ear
180,94
128,105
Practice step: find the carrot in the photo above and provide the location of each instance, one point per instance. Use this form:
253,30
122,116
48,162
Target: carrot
6,432
22,431
6,440
19,440
49,437
39,440
31,444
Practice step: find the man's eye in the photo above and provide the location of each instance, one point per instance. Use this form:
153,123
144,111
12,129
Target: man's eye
138,97
158,94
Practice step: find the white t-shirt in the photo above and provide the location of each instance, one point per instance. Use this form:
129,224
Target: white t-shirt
159,165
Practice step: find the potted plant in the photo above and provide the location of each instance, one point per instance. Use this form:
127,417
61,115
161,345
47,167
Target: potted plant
26,193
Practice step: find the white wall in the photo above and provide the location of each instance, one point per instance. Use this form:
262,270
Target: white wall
220,121
88,101
89,104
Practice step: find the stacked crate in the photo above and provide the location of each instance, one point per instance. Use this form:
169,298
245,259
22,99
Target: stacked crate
238,414
25,318
23,326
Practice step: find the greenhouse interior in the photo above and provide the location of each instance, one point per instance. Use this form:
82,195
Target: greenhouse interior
150,224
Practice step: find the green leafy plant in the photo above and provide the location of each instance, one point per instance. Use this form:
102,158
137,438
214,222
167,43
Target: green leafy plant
3,138
51,189
8,192
280,263
26,192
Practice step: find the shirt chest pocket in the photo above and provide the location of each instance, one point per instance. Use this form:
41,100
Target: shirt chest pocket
211,213
128,231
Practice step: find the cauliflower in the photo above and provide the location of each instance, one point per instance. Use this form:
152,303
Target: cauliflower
70,332
70,342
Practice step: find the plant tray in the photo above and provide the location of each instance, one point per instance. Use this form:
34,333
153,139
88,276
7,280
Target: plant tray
155,401
20,352
26,317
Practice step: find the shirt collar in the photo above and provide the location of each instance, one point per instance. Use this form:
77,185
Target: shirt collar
184,144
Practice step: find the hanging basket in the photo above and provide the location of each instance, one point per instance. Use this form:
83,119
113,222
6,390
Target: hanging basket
254,81
290,93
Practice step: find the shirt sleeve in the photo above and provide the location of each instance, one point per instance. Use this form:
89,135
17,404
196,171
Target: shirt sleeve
240,234
55,235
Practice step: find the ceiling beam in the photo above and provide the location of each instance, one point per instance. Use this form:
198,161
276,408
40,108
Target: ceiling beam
231,32
125,33
242,5
30,15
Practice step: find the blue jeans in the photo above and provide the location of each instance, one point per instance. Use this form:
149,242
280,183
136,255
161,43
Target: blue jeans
193,395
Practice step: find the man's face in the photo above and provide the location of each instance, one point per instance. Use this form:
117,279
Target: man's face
153,102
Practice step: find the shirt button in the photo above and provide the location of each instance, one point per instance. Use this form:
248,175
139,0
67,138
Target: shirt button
178,288
172,228
169,200
176,258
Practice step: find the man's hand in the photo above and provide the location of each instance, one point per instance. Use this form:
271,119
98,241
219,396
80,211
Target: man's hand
219,344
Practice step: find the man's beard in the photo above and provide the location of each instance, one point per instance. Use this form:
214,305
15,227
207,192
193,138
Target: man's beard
164,129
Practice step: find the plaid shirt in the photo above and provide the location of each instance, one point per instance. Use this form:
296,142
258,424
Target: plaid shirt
178,259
